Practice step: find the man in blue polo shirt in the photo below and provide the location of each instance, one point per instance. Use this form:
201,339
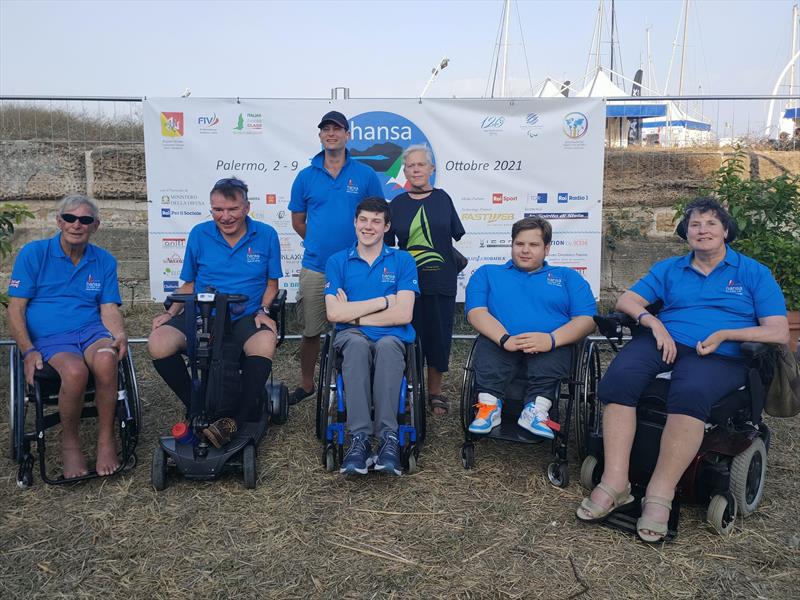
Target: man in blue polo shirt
525,310
324,198
236,255
369,294
713,299
64,310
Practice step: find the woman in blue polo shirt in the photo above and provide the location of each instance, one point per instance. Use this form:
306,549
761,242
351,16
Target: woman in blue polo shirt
425,222
713,299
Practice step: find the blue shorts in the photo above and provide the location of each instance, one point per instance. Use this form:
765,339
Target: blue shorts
76,341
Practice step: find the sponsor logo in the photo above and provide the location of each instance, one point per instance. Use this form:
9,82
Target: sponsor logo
165,212
249,122
541,198
734,287
208,123
173,242
291,256
165,199
387,276
378,139
173,259
170,285
559,215
532,125
253,257
493,124
351,187
488,217
272,199
172,124
564,197
575,125
171,272
580,269
92,285
496,243
180,197
14,283
554,280
499,198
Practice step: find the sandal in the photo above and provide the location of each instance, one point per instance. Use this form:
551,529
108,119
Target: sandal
658,528
599,513
439,401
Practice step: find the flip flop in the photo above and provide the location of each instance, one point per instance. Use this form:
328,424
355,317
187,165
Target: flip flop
599,513
439,401
658,528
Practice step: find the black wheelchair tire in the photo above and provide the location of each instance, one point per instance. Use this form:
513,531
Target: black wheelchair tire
158,470
249,466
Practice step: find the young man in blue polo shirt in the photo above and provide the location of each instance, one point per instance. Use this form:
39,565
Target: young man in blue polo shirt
324,199
525,311
369,294
64,310
236,255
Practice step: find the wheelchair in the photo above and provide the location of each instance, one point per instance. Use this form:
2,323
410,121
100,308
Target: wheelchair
514,401
33,411
729,471
331,416
215,365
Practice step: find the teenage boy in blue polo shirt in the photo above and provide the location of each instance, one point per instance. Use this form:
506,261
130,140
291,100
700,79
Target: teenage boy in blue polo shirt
369,294
64,310
236,255
525,310
324,199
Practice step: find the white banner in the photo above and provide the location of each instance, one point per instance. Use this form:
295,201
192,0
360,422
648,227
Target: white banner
500,160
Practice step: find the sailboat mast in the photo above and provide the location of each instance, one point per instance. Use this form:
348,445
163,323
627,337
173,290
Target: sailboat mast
506,15
683,45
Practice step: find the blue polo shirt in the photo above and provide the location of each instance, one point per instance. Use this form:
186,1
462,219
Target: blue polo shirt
737,293
393,271
62,297
244,269
537,301
330,206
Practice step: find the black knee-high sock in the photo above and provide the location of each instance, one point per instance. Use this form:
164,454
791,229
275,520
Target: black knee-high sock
173,371
256,373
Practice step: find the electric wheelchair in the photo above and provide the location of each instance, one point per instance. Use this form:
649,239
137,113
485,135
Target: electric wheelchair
331,416
215,364
566,391
729,470
33,411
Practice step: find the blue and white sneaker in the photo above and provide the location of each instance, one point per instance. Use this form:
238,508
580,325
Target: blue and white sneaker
389,455
358,459
487,417
534,422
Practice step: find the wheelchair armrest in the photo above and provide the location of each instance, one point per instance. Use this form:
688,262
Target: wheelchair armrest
277,312
756,349
611,325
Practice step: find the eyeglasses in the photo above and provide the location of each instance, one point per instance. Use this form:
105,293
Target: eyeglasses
231,182
69,218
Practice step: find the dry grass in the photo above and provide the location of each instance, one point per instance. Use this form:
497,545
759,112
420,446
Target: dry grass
498,531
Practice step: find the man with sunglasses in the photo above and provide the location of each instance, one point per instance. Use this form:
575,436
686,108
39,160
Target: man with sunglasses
231,254
64,310
323,202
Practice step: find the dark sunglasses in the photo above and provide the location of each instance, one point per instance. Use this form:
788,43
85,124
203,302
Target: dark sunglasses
232,182
68,218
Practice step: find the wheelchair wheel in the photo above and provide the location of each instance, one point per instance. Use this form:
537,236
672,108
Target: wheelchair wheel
158,471
722,513
468,455
249,466
421,393
329,458
586,403
468,394
129,414
323,388
25,472
278,399
558,474
590,474
16,405
748,474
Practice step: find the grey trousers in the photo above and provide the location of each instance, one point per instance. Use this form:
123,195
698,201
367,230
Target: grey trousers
360,358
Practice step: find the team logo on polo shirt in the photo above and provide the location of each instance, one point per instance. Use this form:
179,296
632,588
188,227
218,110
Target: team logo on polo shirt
92,285
14,283
352,188
378,139
554,280
734,287
253,257
387,276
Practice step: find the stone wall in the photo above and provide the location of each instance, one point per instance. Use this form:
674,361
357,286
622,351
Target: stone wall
640,191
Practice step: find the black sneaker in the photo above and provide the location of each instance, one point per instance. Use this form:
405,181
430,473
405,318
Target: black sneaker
358,459
389,455
300,394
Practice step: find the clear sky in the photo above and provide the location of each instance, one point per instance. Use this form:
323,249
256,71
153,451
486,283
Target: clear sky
377,48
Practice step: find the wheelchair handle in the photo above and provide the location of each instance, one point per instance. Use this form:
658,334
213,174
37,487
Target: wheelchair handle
277,312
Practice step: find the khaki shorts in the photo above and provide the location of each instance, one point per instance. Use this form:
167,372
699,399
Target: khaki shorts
311,312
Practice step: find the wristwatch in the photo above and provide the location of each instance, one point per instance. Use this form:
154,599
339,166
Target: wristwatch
503,340
264,309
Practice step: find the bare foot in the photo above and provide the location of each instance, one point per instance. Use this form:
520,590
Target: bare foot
74,462
654,512
107,462
601,498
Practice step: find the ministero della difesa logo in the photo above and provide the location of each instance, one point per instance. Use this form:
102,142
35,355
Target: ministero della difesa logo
378,139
